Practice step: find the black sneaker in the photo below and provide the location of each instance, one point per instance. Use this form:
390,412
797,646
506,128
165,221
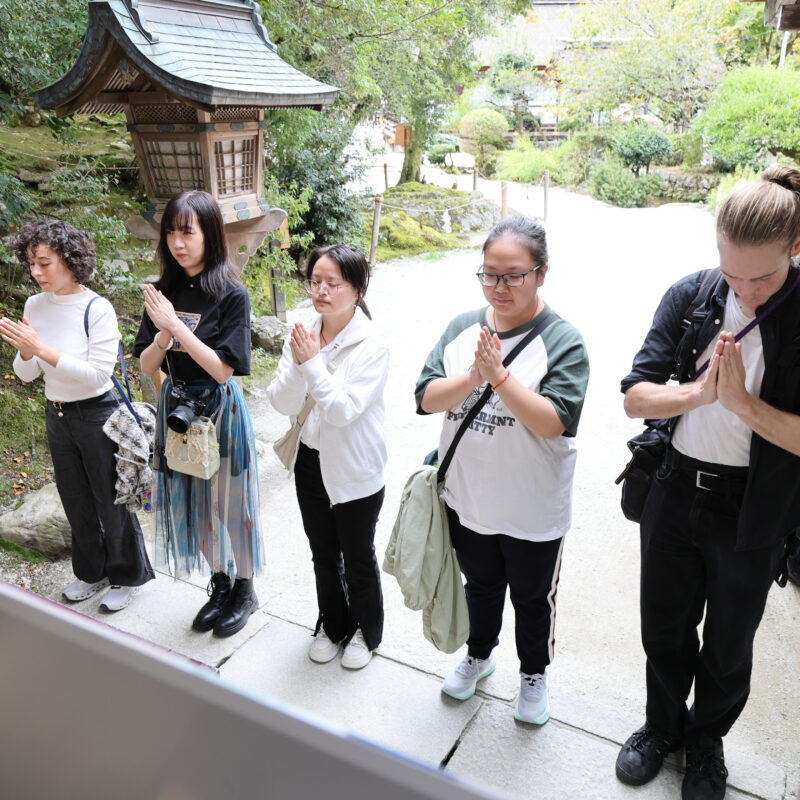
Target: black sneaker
793,568
641,756
706,773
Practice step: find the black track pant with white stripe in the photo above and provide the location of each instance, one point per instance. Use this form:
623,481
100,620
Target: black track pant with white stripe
492,562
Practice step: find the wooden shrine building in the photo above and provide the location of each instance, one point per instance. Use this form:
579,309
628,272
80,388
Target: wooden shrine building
193,78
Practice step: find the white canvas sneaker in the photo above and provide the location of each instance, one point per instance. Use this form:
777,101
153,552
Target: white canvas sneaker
322,648
533,704
118,597
356,655
80,590
463,679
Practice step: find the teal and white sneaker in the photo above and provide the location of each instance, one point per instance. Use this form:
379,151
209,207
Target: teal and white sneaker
533,704
463,679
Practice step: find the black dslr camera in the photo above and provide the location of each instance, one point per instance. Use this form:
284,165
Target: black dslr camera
185,409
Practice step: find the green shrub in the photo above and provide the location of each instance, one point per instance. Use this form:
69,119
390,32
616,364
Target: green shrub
442,145
525,162
16,202
586,149
484,130
687,149
755,111
310,150
742,174
611,182
256,275
638,145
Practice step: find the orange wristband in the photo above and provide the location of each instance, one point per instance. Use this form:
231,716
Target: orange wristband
502,381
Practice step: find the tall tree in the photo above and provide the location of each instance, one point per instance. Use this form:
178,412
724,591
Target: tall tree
39,40
410,55
514,76
660,56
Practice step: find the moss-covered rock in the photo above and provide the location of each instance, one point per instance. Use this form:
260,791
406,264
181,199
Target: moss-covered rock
418,218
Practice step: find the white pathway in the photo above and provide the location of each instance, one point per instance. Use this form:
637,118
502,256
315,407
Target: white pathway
609,267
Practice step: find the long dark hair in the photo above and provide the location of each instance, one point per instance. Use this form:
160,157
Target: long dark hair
217,274
351,263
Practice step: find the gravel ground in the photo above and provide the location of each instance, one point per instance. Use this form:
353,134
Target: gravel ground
46,578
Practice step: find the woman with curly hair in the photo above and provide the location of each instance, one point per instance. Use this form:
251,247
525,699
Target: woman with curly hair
52,339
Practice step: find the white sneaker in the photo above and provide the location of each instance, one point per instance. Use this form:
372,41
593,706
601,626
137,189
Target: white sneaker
463,679
80,590
356,655
533,704
118,597
322,648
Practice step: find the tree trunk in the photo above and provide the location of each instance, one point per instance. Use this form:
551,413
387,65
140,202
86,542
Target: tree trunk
412,161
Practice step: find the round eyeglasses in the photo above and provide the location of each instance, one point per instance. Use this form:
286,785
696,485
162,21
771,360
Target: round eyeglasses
313,287
509,279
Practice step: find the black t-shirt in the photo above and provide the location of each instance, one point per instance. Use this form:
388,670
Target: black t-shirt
223,324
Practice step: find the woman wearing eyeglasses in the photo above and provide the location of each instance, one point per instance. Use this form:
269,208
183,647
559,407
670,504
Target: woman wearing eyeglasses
508,490
338,361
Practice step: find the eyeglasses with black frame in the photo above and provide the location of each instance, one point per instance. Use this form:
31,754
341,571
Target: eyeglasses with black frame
509,279
312,286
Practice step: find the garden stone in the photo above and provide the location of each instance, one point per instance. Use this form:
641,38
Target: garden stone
268,333
39,523
120,145
26,176
45,163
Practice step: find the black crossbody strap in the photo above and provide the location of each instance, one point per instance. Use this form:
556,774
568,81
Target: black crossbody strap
481,402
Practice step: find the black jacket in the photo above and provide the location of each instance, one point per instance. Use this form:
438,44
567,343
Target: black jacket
771,504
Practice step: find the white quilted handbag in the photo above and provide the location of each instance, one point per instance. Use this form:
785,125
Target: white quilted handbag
195,452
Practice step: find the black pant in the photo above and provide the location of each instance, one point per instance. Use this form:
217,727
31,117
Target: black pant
107,541
341,536
491,563
689,563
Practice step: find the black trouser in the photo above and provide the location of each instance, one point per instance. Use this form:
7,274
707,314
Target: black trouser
491,563
107,541
689,563
341,536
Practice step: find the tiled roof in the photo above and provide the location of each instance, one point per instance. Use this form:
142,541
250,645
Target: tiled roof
212,52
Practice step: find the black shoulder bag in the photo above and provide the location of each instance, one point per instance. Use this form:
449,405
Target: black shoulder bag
648,447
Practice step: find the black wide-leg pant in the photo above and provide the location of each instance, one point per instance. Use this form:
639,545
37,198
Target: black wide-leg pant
493,563
690,565
107,541
341,537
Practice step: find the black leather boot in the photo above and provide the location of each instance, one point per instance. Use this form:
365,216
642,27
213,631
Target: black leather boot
241,604
219,590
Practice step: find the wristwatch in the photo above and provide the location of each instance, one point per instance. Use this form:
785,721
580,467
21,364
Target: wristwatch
171,342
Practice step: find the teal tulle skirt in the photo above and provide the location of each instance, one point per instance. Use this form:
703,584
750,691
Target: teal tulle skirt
202,524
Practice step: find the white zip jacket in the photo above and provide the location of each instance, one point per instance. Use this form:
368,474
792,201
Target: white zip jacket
346,422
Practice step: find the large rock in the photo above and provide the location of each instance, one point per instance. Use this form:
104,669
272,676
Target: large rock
445,211
39,523
268,333
26,176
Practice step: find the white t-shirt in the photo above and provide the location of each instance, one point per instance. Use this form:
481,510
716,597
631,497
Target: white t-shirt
86,362
503,477
711,432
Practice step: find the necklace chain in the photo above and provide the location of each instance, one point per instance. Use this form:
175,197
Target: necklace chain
494,314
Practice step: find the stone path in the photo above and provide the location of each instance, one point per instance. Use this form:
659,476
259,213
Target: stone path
609,267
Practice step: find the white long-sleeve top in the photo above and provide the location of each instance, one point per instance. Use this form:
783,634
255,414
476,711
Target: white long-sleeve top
346,422
84,367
